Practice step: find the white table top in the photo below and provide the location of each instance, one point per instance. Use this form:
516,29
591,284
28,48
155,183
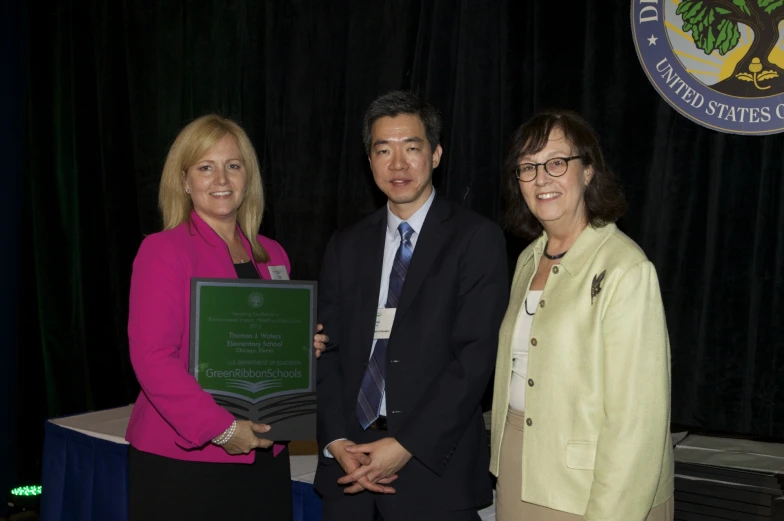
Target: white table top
731,452
109,424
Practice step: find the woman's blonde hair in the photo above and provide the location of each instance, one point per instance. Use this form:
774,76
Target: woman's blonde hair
192,143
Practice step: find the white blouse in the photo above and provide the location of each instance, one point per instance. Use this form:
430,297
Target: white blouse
520,349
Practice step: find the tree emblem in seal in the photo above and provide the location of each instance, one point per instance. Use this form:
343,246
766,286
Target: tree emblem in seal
713,25
720,63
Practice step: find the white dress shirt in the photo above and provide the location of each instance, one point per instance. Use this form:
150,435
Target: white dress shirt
520,342
391,244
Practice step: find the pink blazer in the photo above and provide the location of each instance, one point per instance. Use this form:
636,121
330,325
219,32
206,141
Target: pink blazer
173,416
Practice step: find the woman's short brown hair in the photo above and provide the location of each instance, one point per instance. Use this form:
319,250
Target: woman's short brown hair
604,199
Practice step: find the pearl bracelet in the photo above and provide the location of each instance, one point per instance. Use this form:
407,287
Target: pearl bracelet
227,434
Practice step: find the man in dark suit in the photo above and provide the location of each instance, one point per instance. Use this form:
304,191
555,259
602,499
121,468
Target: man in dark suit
400,425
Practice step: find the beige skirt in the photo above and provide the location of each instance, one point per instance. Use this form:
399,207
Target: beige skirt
509,506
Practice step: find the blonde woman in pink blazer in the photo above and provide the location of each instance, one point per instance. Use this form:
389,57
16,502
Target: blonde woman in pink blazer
189,458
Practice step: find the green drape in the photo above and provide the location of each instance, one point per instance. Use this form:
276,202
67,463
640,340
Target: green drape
12,41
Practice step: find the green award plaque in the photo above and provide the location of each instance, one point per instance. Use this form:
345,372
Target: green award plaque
251,348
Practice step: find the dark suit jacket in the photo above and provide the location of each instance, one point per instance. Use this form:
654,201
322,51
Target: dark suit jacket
440,355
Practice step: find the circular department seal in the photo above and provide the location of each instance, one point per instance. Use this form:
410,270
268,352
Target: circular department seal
255,299
720,63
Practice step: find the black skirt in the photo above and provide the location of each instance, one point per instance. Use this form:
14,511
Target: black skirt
167,489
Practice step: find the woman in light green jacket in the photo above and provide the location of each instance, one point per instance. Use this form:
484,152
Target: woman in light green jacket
581,403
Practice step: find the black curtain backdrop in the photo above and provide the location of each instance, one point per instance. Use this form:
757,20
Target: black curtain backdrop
110,83
12,38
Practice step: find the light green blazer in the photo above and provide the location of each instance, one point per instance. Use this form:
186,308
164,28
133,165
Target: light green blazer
597,439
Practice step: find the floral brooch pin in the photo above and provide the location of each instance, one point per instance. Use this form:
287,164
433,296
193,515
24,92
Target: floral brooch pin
596,285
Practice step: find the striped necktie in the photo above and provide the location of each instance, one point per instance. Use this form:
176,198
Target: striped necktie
372,389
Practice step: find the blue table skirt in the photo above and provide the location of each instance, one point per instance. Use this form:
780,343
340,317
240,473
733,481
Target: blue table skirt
86,479
306,503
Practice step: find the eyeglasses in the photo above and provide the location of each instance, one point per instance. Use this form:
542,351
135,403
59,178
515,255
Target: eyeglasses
555,167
